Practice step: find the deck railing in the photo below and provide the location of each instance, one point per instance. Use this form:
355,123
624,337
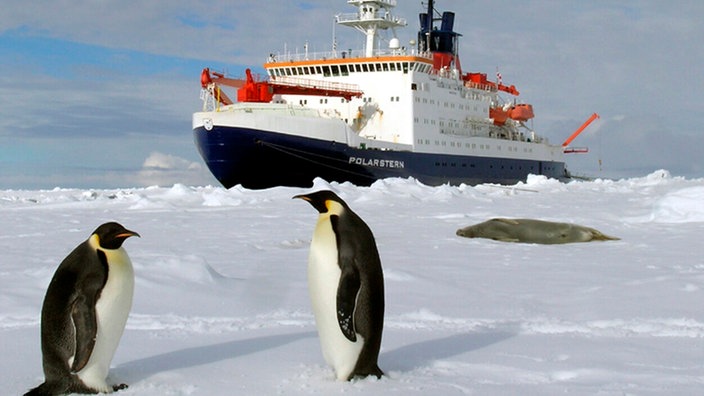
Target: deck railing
287,56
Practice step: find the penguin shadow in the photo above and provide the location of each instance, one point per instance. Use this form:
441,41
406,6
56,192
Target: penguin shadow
421,354
140,369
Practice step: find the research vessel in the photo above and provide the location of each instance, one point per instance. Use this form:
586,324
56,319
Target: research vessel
385,110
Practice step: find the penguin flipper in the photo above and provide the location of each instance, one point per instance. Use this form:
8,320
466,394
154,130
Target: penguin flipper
86,325
347,291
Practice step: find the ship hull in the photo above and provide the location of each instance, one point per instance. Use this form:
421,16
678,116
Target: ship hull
259,159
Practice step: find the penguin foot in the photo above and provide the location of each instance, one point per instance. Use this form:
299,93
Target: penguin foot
118,387
376,372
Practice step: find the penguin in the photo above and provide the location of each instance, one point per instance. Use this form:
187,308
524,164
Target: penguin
84,314
346,286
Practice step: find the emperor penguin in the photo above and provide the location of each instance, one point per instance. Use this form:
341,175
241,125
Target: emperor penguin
84,314
346,286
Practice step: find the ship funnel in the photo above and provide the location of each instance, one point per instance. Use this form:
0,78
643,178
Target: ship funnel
423,22
448,21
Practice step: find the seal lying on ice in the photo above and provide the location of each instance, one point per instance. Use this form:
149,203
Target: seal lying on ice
532,231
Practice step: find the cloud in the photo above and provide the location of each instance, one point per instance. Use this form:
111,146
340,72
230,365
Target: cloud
165,162
166,169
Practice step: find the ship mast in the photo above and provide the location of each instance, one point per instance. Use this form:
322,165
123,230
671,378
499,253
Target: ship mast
371,16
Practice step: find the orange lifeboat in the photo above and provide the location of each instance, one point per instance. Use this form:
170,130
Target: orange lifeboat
521,112
499,115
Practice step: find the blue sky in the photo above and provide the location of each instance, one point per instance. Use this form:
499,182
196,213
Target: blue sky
99,94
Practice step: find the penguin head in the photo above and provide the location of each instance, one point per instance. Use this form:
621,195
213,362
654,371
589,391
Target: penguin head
324,201
111,235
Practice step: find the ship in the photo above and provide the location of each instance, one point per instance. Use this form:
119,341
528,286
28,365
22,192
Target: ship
382,111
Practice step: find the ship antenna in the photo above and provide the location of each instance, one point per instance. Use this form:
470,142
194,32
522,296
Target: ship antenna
334,37
429,22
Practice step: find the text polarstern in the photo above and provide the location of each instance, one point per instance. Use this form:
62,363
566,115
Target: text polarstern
379,163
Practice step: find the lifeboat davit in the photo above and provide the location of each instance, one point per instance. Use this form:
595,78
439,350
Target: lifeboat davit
521,112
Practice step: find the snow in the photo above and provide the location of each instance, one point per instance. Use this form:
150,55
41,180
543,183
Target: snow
221,301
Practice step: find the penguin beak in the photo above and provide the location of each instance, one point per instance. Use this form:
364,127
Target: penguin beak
302,196
128,234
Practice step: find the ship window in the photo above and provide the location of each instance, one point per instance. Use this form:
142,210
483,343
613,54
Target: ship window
326,71
385,66
365,67
318,70
300,71
335,70
343,69
414,87
378,67
392,66
405,67
288,71
358,68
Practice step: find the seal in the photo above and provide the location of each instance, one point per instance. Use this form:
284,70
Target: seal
533,231
346,286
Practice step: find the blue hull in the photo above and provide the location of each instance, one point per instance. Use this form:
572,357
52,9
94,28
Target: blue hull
257,159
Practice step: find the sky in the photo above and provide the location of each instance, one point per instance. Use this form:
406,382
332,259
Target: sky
99,94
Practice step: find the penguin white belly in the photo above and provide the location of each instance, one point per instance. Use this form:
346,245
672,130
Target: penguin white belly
323,279
111,309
